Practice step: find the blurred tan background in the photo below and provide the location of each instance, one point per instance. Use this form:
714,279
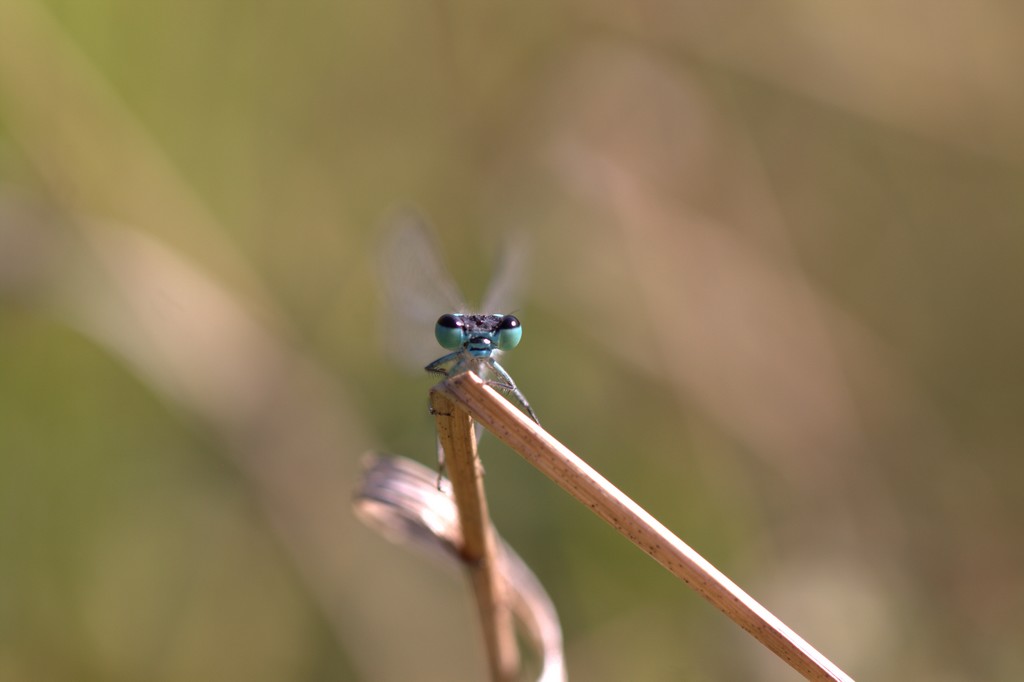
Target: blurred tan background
775,295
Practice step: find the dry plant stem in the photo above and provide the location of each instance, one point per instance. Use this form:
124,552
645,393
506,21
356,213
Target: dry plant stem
455,429
585,484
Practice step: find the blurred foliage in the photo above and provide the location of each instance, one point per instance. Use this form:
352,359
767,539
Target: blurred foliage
774,296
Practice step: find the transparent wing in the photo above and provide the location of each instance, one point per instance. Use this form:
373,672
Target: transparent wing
503,293
417,289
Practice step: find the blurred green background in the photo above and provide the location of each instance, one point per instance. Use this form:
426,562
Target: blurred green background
775,295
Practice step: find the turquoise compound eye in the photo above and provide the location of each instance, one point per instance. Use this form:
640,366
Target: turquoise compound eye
509,333
449,331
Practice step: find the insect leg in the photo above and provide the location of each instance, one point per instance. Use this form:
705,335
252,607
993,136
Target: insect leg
506,383
444,364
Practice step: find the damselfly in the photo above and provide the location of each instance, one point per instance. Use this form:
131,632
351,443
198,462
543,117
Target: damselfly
421,290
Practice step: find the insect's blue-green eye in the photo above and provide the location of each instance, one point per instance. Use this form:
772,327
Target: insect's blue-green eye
449,331
509,333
